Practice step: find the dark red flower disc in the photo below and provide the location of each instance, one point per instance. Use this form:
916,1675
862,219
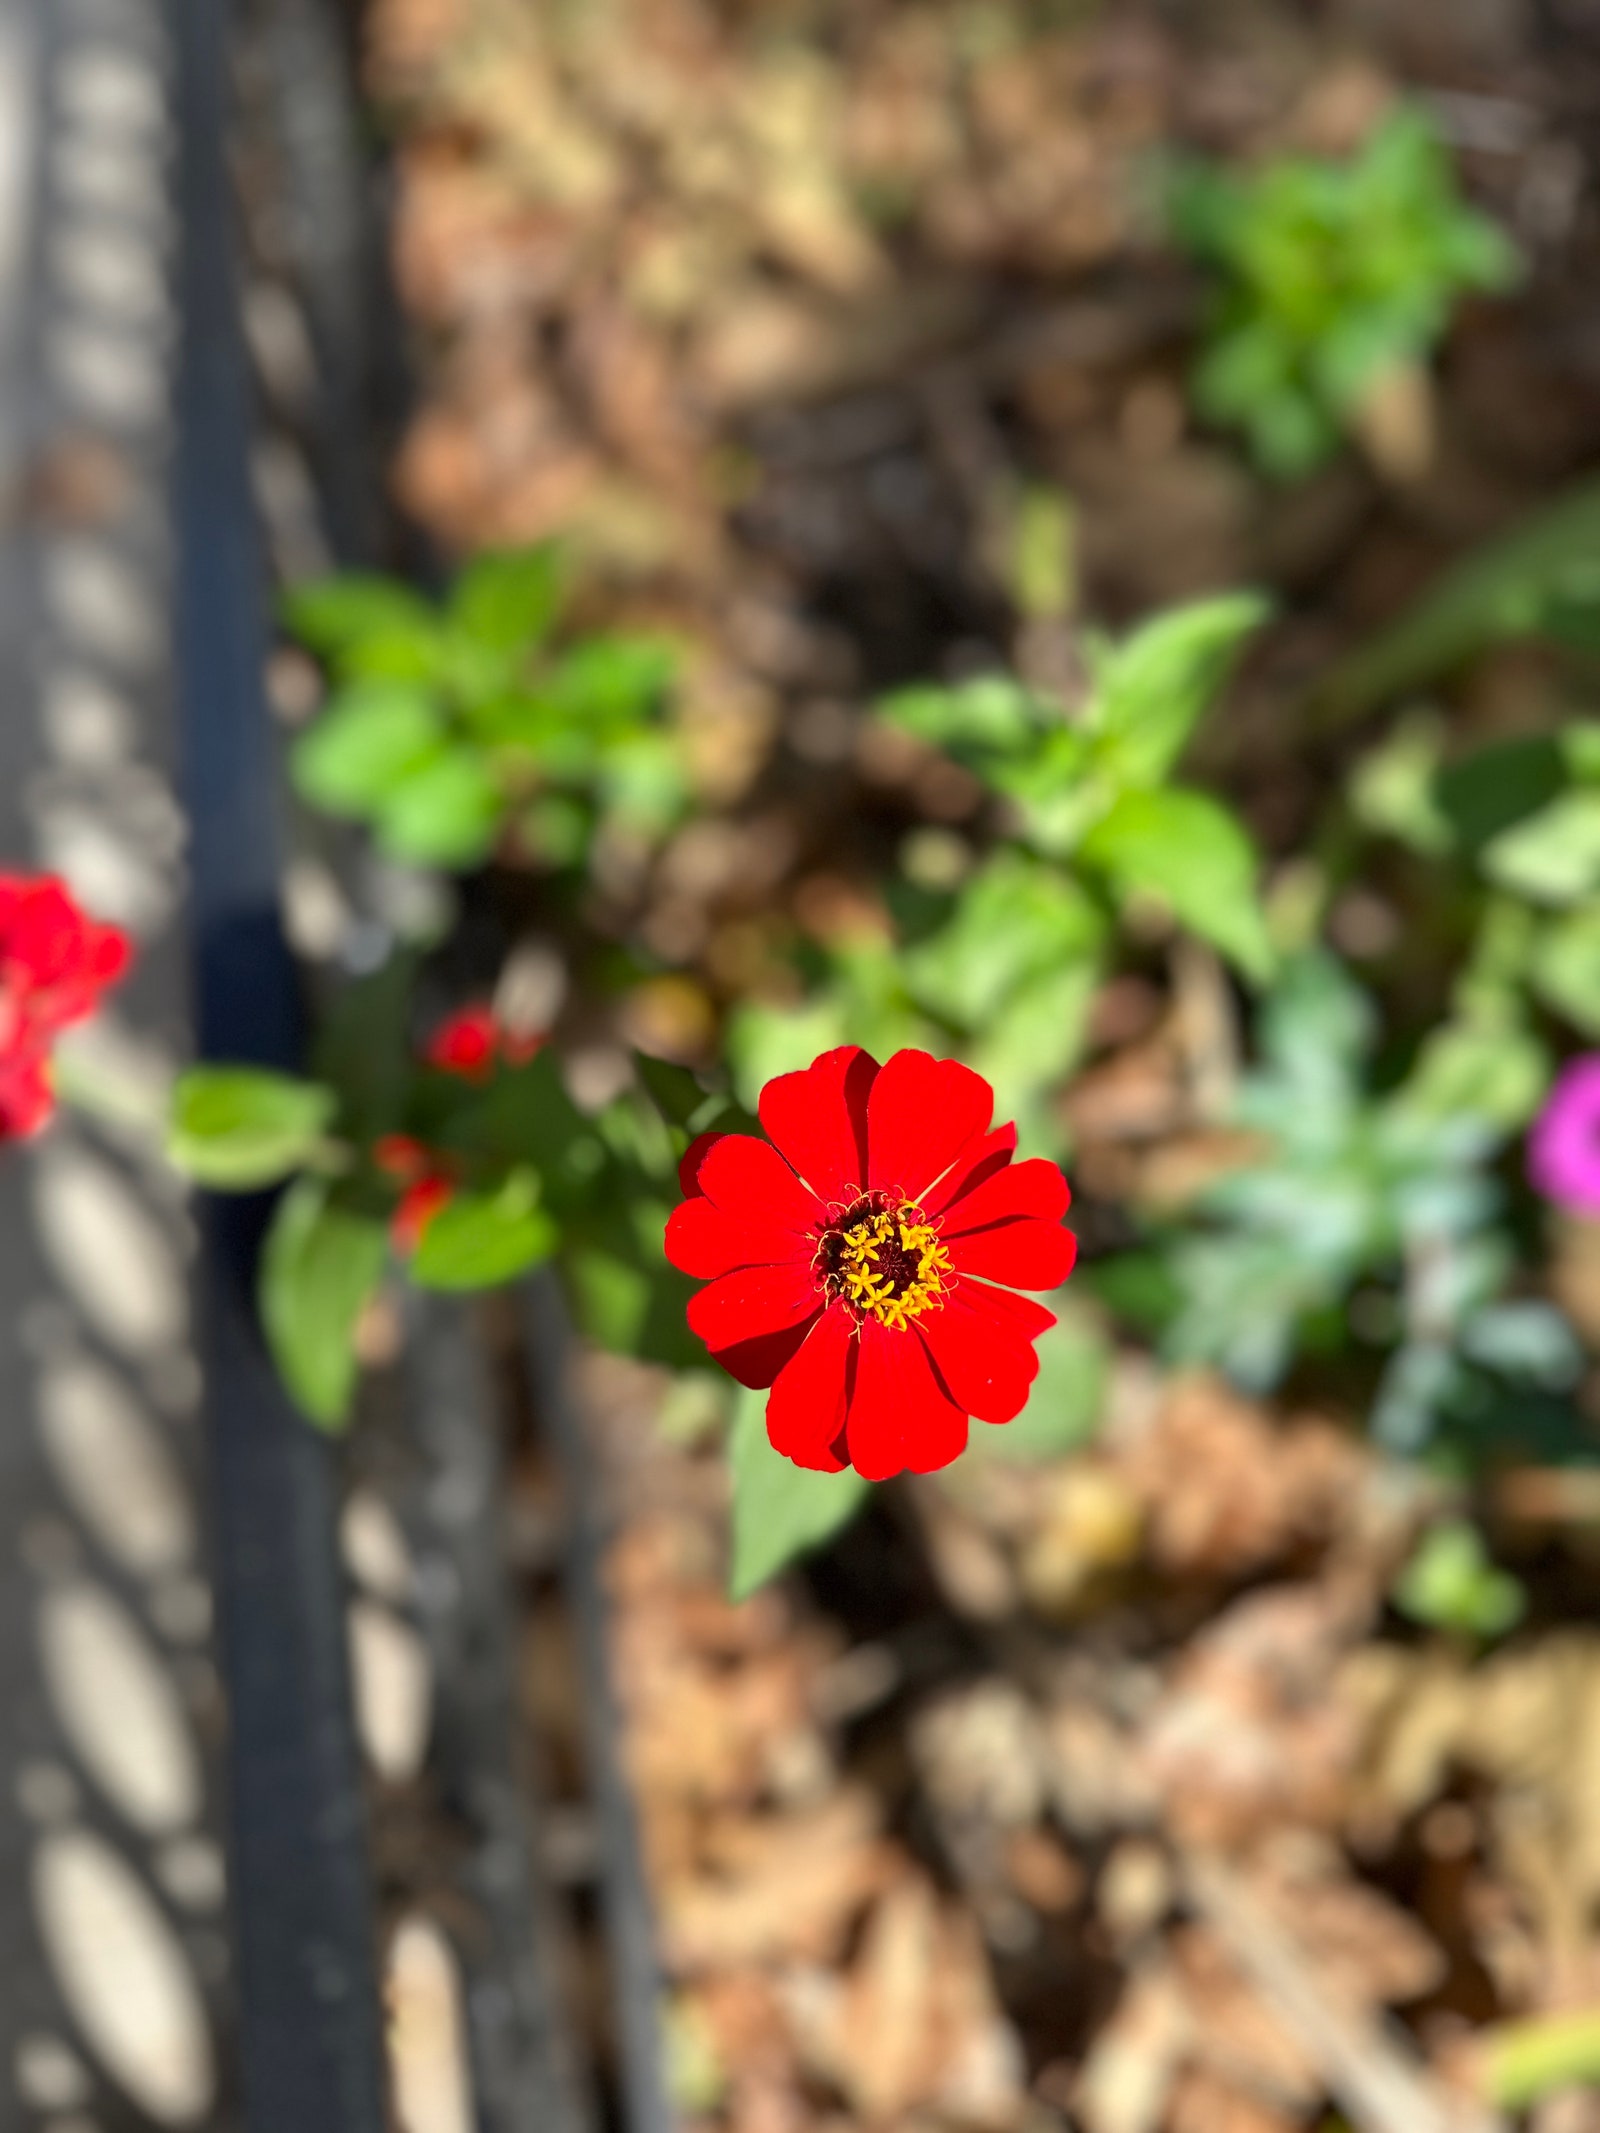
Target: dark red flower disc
862,1261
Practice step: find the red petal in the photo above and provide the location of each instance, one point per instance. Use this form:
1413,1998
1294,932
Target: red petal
1030,1318
1032,1188
805,1412
693,1156
1024,1255
987,1364
748,1179
757,1362
818,1121
755,1301
418,1206
701,1240
900,1414
921,1115
979,1162
26,1097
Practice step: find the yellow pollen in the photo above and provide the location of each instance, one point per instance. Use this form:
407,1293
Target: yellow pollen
892,1266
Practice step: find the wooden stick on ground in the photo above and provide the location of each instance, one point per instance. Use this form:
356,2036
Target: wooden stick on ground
1378,2081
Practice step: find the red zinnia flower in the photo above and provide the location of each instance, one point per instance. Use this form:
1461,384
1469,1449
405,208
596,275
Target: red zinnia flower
852,1264
473,1040
54,964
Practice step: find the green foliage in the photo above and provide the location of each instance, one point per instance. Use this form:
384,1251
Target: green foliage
1386,1194
780,1511
1540,580
449,728
1188,851
236,1128
484,1238
322,1261
1524,816
1451,1583
1003,969
1328,274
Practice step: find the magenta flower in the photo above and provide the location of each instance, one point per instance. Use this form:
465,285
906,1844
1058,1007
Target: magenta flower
1564,1143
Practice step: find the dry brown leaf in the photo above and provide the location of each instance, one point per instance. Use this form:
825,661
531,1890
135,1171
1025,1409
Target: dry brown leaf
797,1899
1229,1488
1128,2076
1204,2102
1247,1734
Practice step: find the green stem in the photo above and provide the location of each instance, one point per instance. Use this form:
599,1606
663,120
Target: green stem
1527,2060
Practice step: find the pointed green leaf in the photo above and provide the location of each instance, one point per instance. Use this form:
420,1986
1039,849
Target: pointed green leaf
479,1240
780,1510
362,747
1151,691
506,601
320,1264
445,814
238,1128
1190,852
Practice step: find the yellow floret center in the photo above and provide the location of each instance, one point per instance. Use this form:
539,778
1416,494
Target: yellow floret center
887,1263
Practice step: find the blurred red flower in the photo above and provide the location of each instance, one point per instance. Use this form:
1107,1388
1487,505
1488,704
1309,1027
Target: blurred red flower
473,1041
426,1188
55,962
861,1263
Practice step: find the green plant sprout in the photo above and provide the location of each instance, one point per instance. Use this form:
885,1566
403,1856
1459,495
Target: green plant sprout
1388,1196
449,729
1002,966
1328,275
1451,1583
1524,816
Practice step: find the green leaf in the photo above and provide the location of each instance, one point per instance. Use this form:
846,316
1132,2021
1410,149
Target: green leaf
526,1119
990,715
1451,1583
1014,920
1188,850
675,1092
479,1240
1030,1045
363,1048
1511,587
1566,969
507,601
368,740
1152,690
611,681
780,1510
1393,788
239,1128
337,617
320,1264
446,814
1554,856
1492,790
1496,1074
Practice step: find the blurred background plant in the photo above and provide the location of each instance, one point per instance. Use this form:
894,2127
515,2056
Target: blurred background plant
839,349
453,730
1335,282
